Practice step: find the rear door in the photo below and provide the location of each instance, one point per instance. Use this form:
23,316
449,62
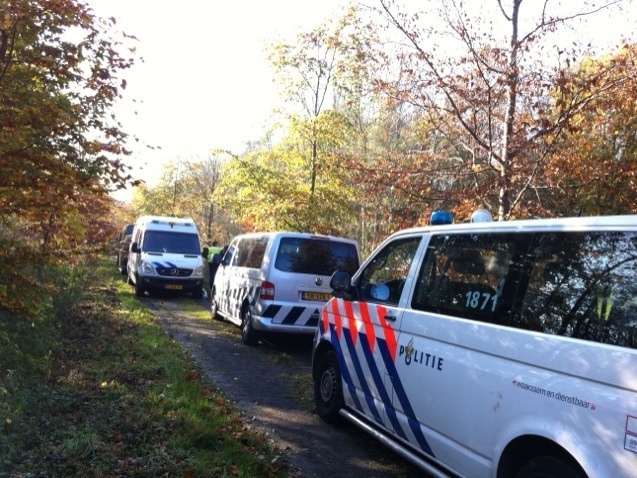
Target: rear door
301,275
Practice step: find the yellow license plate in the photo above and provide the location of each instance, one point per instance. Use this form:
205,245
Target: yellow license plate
316,296
174,286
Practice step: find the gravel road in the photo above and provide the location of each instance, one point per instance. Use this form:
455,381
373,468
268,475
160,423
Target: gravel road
259,382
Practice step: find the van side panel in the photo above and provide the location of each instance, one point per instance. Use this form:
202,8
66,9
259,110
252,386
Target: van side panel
579,393
507,381
241,285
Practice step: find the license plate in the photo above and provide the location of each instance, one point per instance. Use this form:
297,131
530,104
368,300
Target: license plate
316,296
174,286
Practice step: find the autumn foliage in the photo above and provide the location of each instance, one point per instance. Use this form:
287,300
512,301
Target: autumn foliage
389,114
595,167
60,151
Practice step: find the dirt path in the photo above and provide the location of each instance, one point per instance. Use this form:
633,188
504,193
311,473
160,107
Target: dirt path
258,379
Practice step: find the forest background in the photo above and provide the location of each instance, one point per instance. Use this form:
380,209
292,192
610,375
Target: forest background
386,115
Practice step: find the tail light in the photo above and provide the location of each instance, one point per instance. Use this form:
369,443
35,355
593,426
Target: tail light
267,290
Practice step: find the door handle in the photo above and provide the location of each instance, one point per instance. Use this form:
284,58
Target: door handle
390,318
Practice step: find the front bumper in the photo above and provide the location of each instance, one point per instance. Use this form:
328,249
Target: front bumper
163,283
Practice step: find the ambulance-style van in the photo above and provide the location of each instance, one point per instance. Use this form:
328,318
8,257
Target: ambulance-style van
490,349
277,282
165,255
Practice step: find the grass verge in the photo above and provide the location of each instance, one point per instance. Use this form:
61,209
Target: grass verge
95,388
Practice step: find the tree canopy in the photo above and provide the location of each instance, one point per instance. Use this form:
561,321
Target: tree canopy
502,99
61,150
398,113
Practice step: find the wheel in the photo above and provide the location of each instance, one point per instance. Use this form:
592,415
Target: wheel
328,388
121,266
197,293
249,336
549,467
213,309
139,290
213,306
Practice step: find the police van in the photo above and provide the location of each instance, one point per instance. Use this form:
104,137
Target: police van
278,281
491,349
165,255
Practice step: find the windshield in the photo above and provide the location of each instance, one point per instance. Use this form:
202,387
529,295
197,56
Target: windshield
316,256
171,242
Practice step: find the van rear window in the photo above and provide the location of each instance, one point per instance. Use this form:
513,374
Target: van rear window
171,242
316,256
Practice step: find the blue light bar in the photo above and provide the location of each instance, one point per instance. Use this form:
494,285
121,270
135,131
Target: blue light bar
441,217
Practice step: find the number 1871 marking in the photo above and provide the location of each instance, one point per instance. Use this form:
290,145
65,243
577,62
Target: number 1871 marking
480,300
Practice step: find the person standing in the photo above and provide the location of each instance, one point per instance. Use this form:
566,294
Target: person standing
214,259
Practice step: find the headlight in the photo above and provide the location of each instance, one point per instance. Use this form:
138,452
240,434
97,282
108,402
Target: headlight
147,269
198,272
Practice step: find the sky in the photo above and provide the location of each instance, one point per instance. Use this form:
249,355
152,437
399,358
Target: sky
205,81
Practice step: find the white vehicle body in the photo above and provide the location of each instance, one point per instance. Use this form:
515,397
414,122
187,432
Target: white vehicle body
491,349
165,254
278,281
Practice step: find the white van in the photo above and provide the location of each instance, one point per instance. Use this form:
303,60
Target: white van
165,255
491,350
278,281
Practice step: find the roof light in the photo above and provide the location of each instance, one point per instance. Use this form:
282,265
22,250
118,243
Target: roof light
481,215
441,217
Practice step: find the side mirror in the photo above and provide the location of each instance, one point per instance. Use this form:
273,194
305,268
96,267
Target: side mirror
380,292
341,284
134,247
204,252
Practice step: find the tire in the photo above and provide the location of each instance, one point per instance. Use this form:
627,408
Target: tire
214,308
121,266
328,388
249,336
197,294
139,290
549,467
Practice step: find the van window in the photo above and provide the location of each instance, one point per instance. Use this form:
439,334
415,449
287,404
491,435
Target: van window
315,256
138,236
251,251
584,285
171,242
389,267
580,285
471,276
230,255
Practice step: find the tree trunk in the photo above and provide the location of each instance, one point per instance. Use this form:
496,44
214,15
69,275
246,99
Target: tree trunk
504,200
